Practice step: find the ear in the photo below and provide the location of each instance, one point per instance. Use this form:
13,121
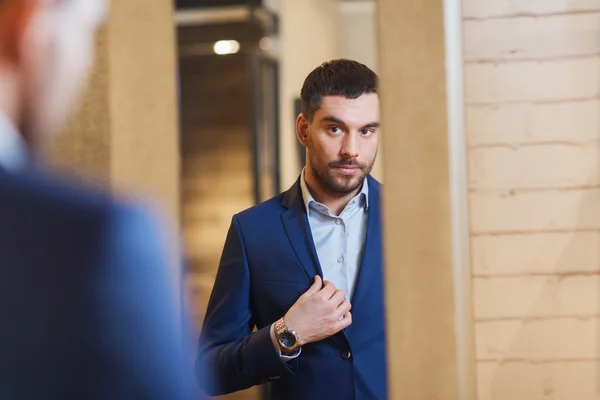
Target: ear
302,129
16,18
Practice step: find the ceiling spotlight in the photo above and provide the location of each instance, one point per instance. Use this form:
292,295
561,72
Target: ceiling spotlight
223,47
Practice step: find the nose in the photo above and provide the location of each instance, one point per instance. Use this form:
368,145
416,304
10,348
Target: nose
349,146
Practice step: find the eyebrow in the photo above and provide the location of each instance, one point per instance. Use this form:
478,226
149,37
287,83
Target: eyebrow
372,125
331,118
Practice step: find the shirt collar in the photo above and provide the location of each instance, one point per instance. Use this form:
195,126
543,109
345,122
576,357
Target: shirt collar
308,198
12,147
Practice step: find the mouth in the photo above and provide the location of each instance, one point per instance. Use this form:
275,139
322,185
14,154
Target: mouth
348,170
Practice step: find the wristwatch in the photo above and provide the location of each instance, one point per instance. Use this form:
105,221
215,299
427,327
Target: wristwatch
287,338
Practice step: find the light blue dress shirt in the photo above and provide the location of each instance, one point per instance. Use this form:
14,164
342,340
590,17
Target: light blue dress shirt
339,240
12,147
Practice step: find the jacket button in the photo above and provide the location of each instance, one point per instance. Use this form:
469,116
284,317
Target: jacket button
346,355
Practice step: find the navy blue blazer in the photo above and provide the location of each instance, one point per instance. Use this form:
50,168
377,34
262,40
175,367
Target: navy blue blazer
268,262
86,311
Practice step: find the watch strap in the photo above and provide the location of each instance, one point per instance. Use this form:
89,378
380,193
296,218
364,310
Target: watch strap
281,327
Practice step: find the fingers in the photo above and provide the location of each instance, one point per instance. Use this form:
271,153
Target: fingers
338,297
344,322
315,287
328,290
343,309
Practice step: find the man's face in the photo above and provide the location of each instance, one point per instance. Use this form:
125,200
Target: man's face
342,142
59,51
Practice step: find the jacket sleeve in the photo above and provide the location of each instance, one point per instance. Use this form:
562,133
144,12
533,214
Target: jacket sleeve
230,356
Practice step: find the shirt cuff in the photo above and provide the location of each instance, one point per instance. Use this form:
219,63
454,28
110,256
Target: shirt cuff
278,350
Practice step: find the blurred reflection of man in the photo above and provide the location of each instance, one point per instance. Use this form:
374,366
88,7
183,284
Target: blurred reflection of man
305,268
85,306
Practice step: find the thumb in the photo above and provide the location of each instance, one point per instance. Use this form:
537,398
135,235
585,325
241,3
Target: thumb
315,287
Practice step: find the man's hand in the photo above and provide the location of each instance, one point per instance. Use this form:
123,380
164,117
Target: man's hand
318,313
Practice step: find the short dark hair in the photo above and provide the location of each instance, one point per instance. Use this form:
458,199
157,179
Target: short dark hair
341,77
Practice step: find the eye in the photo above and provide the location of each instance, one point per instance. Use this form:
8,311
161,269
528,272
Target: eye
335,129
367,132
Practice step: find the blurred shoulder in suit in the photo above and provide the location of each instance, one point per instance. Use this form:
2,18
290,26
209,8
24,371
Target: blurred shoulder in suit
87,306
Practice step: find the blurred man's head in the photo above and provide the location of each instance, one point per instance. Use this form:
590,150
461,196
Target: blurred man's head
339,125
46,50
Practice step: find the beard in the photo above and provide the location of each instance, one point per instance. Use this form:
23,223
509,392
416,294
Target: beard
334,182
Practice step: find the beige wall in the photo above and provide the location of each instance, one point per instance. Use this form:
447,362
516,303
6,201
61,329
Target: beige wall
420,310
358,41
309,37
125,132
143,103
337,29
532,71
83,148
124,135
358,32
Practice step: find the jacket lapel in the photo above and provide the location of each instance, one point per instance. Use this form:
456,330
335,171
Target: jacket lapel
371,264
295,223
297,228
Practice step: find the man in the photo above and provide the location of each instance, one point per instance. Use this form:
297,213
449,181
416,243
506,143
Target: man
295,266
85,306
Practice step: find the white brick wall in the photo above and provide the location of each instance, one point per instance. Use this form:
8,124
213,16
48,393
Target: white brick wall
535,211
474,9
575,122
533,381
532,82
535,254
532,38
536,296
538,340
572,165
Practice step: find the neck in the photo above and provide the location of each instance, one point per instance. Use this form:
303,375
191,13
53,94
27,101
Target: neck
336,202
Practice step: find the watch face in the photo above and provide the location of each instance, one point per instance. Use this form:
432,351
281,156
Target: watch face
287,339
